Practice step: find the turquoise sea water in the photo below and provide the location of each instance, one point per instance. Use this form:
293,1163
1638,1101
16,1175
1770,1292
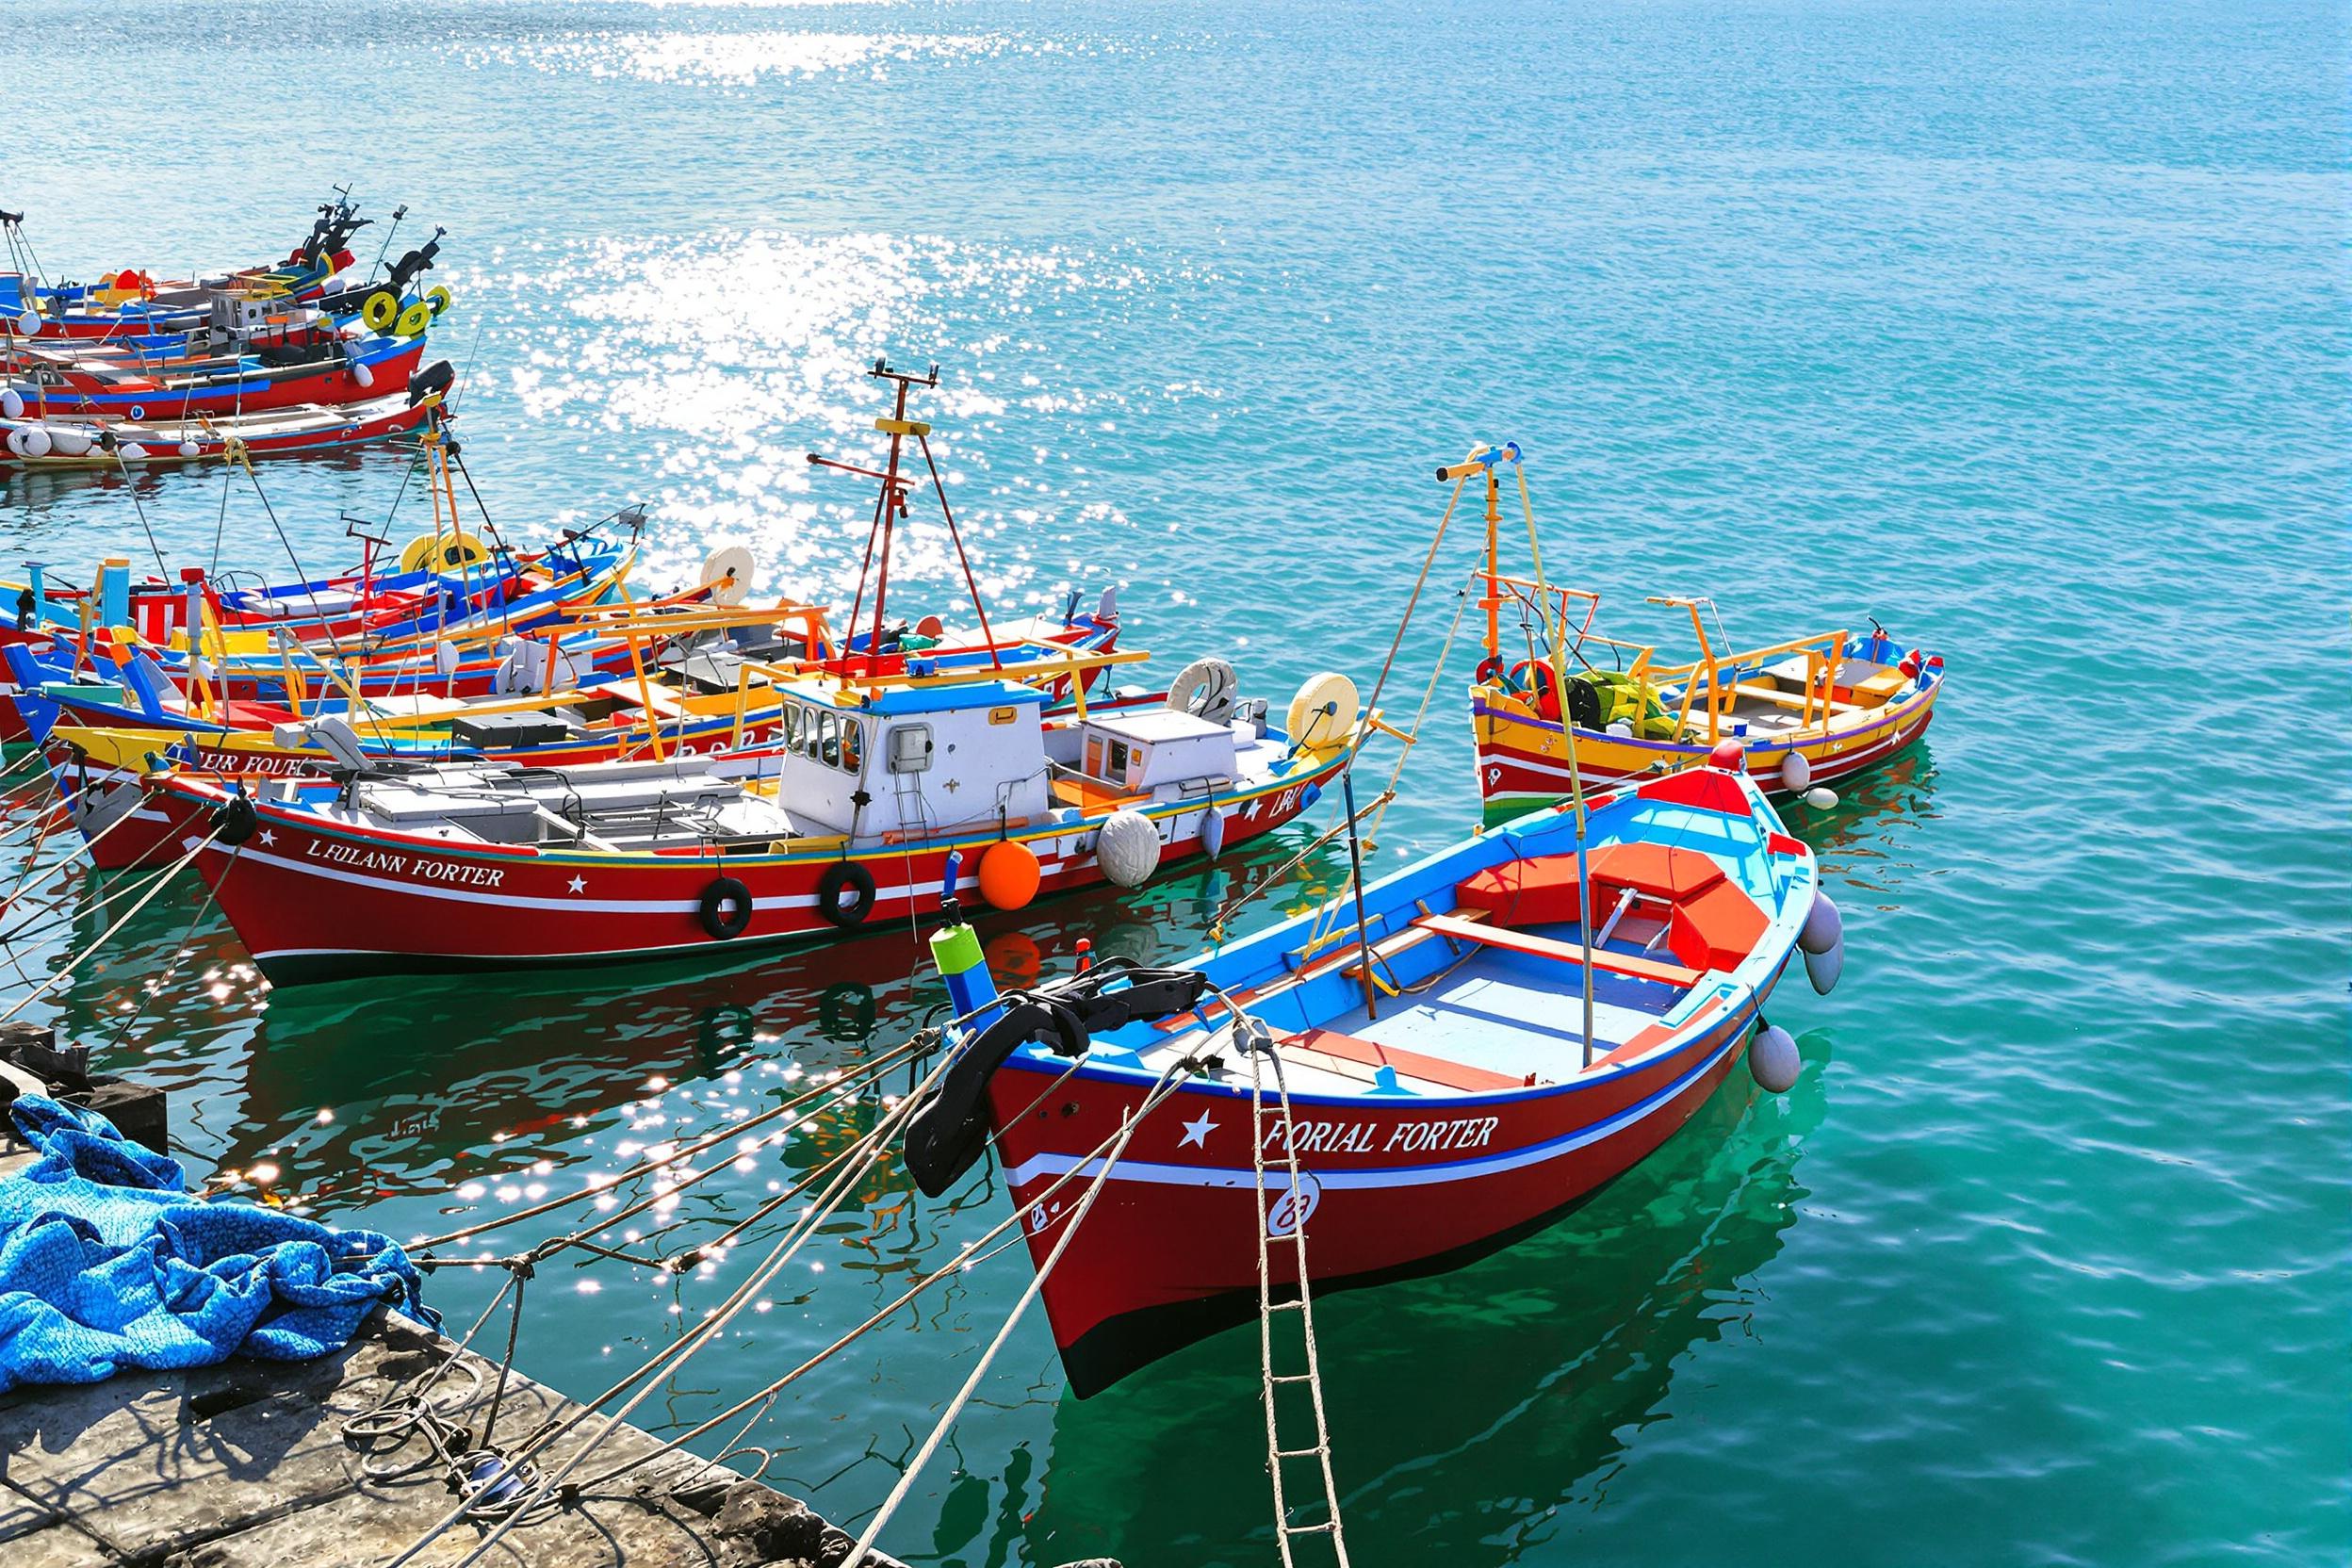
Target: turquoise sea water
2021,326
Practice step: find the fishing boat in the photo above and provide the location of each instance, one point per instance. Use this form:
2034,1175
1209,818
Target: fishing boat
849,818
1467,1051
132,299
590,681
69,442
687,676
332,369
1807,710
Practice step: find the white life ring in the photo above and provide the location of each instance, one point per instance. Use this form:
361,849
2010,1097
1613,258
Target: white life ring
1207,689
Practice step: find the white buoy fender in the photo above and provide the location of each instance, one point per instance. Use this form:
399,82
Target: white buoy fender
1622,728
131,451
19,441
28,324
1211,833
189,449
362,375
1128,848
1821,799
445,659
12,405
1795,772
70,441
1824,928
1773,1058
1823,968
1205,688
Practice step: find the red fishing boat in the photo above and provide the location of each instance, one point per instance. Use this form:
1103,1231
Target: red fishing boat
97,443
851,819
333,371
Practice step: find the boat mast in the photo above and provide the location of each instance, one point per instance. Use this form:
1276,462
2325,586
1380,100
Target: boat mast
897,428
1555,615
1494,602
891,505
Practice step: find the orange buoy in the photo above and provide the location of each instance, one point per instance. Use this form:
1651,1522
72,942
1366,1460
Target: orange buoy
1008,875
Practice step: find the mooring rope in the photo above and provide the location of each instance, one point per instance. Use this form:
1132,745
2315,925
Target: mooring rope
1160,1090
871,1146
830,1088
79,958
51,914
180,952
963,1262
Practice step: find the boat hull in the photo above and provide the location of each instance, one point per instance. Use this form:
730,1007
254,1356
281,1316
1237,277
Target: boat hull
1522,761
1392,1188
313,902
333,382
353,425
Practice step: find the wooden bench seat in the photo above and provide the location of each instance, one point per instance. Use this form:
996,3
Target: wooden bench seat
1409,1063
1544,947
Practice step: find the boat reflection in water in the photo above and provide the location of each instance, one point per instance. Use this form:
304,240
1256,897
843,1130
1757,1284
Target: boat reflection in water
429,1075
1469,1409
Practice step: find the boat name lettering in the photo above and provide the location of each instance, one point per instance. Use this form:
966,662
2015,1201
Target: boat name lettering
1406,1137
403,865
251,762
1414,1138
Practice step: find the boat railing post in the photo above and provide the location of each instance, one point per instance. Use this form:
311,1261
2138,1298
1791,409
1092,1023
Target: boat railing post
1355,862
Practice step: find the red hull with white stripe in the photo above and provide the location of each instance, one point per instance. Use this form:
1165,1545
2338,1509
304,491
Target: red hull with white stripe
315,901
1169,1251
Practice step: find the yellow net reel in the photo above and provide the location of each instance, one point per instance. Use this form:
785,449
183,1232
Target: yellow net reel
443,552
382,309
440,300
414,321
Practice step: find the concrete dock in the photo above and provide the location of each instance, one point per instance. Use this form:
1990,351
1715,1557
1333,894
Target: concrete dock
245,1466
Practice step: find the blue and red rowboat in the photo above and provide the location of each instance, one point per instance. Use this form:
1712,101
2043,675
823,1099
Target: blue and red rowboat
258,636
1466,1107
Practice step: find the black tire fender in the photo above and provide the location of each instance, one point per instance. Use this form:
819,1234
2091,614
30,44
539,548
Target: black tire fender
234,821
845,876
726,908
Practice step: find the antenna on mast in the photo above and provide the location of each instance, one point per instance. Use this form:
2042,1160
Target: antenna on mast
890,506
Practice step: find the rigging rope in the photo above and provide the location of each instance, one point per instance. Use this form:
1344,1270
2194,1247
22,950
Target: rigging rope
870,1148
1160,1090
963,1261
79,958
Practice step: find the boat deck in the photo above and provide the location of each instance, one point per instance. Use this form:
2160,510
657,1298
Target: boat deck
1479,1018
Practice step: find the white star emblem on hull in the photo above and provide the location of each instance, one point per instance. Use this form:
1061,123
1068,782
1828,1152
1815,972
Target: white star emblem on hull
1197,1132
576,884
